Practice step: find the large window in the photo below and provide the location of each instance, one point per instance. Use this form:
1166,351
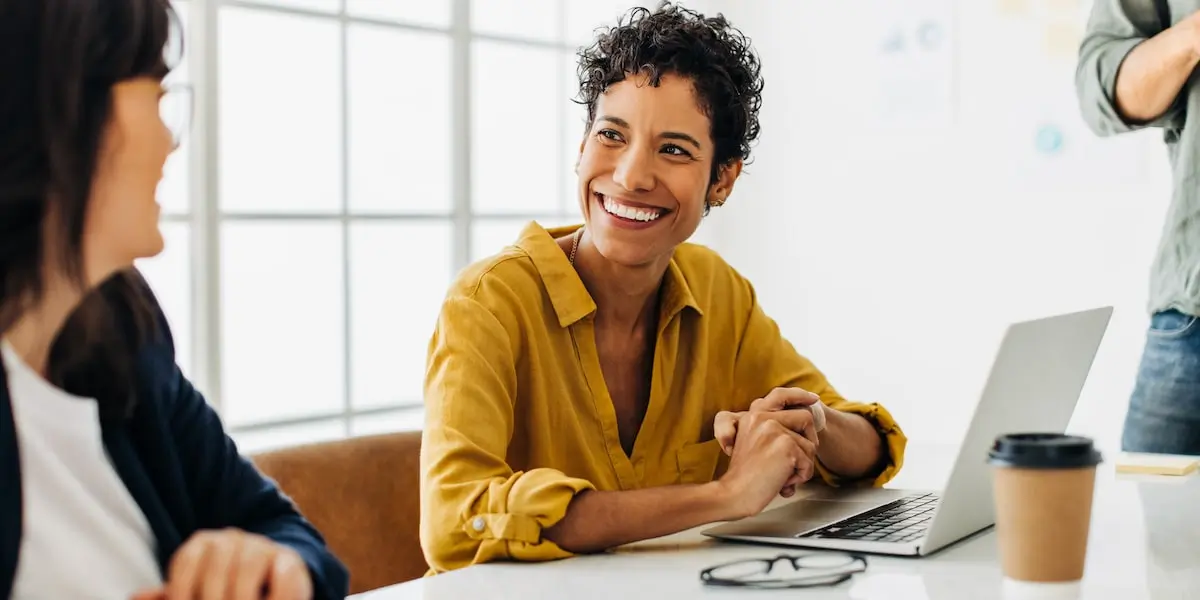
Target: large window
346,159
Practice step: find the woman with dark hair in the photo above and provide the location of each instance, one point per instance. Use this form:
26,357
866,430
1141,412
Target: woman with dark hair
118,479
601,384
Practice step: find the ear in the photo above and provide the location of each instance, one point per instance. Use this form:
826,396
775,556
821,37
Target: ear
579,156
721,189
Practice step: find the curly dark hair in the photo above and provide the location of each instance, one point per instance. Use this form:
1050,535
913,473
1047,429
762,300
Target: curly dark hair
707,50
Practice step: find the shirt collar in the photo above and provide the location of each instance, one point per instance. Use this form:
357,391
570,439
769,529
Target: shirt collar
570,297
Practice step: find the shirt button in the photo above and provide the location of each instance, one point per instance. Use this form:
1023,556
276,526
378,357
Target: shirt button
478,523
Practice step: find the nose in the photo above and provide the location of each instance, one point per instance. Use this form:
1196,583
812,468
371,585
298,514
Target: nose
635,170
171,137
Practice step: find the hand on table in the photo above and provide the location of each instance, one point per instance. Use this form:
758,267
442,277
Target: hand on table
235,565
797,410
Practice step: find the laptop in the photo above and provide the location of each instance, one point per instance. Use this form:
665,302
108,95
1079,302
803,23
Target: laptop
1034,385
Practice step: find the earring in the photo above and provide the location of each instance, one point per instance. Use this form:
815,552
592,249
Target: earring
717,201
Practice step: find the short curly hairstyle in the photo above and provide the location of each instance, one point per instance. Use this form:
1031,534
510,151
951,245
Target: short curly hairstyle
709,51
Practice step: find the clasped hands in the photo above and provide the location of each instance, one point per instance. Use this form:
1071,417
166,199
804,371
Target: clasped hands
773,445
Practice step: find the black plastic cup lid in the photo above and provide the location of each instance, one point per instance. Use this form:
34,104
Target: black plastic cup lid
1043,451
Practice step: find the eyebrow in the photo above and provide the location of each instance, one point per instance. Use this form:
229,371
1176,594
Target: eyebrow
670,135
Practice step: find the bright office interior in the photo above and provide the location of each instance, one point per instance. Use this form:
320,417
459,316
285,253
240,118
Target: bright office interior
906,202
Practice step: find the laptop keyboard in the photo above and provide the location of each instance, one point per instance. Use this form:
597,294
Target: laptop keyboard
904,520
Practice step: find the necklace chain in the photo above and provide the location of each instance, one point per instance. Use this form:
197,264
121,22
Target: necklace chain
575,243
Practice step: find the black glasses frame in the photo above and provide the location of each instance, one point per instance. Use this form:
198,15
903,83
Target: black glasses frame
856,563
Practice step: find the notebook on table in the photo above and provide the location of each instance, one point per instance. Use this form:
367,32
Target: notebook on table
1145,463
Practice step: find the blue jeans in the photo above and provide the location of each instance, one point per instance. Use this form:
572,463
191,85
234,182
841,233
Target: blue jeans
1164,412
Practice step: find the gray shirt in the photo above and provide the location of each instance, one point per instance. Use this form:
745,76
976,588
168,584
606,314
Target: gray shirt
1114,28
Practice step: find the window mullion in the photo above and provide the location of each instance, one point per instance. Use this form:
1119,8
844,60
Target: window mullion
347,285
460,97
204,201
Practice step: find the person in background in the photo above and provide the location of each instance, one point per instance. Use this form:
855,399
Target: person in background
119,481
598,385
1135,71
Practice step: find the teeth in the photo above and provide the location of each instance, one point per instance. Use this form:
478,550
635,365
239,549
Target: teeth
629,212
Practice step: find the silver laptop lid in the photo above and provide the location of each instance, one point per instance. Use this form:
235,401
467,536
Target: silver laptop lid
1034,385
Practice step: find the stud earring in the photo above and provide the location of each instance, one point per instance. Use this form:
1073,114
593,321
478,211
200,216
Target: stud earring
717,201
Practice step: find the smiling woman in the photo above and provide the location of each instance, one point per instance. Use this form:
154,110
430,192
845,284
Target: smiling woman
574,379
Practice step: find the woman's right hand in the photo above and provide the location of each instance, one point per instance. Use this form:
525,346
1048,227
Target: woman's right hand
768,457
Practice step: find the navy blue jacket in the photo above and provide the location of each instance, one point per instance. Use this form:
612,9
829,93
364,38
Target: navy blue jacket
181,469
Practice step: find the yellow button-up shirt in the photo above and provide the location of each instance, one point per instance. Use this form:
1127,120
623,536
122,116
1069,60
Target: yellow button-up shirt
519,420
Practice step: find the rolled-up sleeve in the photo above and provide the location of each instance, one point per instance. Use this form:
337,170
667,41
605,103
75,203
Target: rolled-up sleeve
766,360
474,507
1113,31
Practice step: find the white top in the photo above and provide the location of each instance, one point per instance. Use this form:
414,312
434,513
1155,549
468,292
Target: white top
83,536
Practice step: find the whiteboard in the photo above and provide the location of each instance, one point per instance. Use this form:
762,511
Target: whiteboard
984,88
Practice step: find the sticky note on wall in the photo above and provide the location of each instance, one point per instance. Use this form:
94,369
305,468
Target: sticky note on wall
1013,8
1061,39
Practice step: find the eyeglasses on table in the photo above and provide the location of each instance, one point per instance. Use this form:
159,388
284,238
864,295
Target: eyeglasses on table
786,571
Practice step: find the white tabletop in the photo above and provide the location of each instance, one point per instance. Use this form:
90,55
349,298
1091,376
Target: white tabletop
1144,543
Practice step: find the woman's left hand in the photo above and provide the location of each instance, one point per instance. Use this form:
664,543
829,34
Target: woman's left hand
236,565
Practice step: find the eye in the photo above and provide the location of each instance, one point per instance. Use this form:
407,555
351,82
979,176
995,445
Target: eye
609,135
675,150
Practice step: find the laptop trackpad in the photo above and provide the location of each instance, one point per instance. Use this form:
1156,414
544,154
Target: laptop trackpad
814,510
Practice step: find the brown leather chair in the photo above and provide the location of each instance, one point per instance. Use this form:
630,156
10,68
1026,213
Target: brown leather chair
363,495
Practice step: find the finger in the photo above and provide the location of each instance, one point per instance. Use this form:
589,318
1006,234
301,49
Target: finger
799,421
795,479
725,430
183,575
803,465
289,578
157,594
254,570
794,420
819,418
762,424
810,432
783,398
221,567
789,451
806,465
805,444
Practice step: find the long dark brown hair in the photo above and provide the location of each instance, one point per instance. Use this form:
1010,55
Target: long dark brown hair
59,60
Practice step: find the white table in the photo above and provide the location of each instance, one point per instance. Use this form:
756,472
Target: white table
1144,543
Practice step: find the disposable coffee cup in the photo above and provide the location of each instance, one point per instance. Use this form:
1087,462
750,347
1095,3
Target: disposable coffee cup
1043,485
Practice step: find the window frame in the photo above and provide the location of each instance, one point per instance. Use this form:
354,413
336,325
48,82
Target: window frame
204,216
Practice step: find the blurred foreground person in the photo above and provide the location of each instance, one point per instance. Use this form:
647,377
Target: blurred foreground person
118,479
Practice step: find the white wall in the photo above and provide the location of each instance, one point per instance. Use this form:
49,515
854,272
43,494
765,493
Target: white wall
893,254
